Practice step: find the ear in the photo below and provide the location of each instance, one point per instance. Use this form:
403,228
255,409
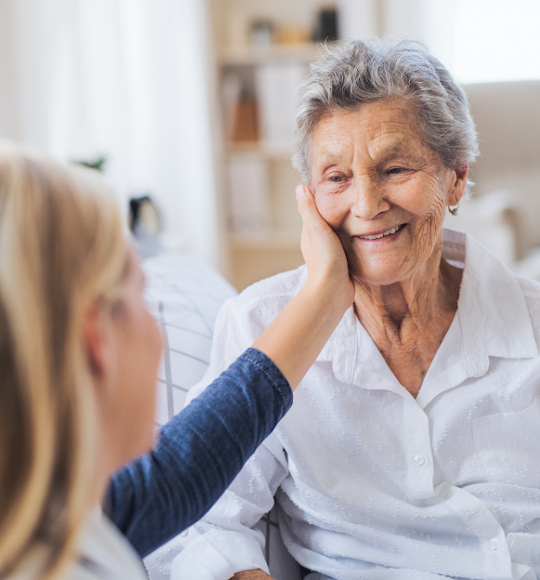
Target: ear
97,341
457,188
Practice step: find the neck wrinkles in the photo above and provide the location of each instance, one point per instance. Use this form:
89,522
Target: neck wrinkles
411,305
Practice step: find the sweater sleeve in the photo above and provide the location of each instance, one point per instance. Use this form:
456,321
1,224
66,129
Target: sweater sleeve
199,452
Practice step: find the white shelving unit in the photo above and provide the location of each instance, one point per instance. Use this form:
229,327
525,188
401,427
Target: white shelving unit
257,88
256,55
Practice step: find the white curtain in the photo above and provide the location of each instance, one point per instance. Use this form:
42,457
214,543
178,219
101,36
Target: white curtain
129,79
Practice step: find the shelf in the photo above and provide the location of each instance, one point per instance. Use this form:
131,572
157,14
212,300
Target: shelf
255,55
270,241
257,88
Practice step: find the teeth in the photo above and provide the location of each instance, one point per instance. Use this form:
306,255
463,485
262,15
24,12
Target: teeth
378,236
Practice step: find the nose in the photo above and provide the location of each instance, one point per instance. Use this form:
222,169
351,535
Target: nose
368,199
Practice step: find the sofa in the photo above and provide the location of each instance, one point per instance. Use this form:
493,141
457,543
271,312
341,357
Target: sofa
185,295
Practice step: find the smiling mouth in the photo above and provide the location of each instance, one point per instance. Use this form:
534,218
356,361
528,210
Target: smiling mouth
383,234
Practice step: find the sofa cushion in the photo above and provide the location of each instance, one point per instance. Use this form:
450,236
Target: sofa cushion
185,295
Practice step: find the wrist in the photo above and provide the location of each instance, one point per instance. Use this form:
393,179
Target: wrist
330,292
256,574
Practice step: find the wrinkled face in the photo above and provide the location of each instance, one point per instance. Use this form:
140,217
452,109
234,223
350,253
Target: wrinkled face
381,188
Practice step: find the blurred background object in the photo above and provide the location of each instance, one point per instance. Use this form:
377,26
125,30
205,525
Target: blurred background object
98,163
145,225
262,33
326,29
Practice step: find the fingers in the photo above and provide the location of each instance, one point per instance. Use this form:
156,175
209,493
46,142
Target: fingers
317,235
304,198
322,250
308,208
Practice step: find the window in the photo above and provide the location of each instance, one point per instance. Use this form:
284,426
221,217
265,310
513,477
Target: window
496,40
477,40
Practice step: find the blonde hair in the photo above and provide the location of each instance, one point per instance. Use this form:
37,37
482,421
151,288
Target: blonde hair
62,244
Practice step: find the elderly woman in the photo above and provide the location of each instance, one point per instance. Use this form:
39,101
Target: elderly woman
79,353
411,448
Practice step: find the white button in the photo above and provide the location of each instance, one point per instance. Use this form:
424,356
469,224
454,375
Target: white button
494,543
419,460
184,533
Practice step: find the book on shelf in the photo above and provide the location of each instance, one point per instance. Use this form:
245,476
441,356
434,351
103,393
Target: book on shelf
277,90
262,107
240,111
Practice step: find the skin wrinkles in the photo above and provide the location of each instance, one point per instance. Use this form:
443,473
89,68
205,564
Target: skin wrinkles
372,172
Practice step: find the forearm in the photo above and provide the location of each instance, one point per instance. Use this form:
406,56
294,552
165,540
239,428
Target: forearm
294,340
199,453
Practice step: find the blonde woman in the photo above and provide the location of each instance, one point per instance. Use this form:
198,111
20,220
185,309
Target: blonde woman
78,360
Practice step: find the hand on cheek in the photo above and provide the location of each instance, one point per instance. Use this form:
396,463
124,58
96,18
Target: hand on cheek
321,247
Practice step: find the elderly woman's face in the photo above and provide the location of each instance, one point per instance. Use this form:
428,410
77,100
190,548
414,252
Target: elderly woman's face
382,189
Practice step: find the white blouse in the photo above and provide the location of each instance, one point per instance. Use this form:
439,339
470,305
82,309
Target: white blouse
372,483
104,554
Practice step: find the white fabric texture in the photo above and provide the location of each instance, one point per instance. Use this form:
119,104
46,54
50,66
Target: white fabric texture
372,483
104,555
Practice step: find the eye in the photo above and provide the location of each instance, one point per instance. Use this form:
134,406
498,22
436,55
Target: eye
336,178
395,170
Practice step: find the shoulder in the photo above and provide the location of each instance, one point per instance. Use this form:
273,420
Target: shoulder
243,318
33,566
531,292
265,299
103,549
530,288
286,284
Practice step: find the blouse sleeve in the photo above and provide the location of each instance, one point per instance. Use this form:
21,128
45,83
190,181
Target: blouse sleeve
199,452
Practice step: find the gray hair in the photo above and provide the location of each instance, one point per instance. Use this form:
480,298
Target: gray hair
361,71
